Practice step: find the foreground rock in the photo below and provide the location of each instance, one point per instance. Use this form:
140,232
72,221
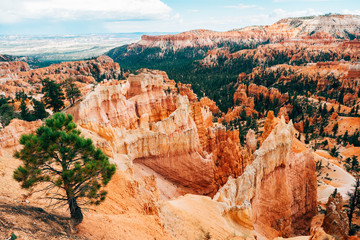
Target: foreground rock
336,221
276,194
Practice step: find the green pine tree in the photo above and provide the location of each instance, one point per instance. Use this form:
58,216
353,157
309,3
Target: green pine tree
39,110
24,111
6,112
72,91
335,128
58,156
53,95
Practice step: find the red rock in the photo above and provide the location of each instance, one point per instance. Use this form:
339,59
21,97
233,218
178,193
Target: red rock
276,194
146,121
10,135
336,222
334,116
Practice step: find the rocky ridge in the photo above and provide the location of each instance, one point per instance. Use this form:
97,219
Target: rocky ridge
139,123
320,28
275,172
17,76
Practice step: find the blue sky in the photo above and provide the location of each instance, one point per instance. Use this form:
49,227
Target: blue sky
110,16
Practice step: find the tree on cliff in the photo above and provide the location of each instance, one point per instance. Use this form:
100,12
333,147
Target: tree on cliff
39,110
335,128
72,92
353,206
352,165
6,111
24,111
59,157
53,95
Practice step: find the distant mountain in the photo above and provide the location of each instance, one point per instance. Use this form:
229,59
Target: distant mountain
337,26
322,27
211,61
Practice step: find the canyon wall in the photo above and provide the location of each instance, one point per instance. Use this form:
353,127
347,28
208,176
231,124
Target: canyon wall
147,121
276,194
323,27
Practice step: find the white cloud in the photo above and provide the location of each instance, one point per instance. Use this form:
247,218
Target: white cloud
169,25
19,10
241,6
281,13
347,11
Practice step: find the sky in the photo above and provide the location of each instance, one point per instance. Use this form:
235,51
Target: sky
61,17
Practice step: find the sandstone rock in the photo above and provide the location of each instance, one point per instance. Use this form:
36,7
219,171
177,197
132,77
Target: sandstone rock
10,135
299,126
251,141
334,116
284,111
9,69
276,173
245,95
336,222
270,123
205,101
146,121
319,234
17,76
320,27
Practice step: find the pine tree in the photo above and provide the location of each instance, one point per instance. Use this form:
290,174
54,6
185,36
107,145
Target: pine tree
24,111
352,165
72,91
334,152
335,128
53,95
346,136
6,112
58,156
353,205
39,110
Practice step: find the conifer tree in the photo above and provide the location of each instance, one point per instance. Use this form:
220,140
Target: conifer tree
72,91
39,110
58,156
24,111
53,95
335,128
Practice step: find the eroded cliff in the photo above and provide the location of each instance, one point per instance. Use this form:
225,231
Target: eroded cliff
147,121
276,194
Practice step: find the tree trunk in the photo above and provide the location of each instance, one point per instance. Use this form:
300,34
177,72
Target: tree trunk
75,211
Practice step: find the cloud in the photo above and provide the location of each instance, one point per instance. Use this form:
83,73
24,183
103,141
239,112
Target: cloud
193,10
241,6
159,25
22,10
281,13
353,12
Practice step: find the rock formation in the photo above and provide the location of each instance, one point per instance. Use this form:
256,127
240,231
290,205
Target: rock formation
336,222
319,27
276,194
9,69
10,135
17,76
145,121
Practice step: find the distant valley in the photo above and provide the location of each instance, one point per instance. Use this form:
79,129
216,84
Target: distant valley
41,50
